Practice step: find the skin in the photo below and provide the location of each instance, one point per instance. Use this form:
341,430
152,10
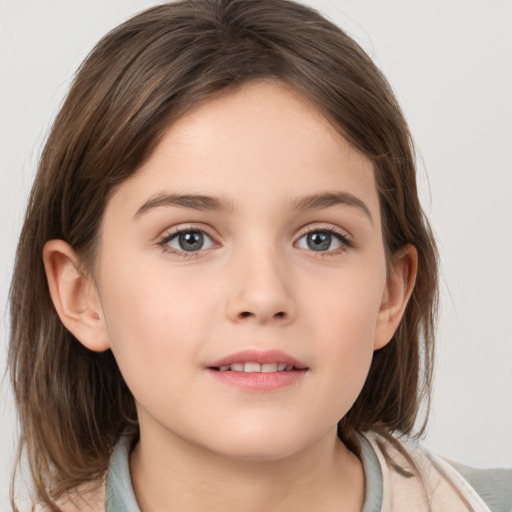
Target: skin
256,284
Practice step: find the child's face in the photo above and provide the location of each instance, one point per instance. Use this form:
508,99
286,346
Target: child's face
245,275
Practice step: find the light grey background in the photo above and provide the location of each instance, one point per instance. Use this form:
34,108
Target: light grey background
450,63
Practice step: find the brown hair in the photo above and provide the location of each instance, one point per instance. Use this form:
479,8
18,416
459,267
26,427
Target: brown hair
73,403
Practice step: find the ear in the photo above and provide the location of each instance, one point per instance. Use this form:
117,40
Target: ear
399,287
74,296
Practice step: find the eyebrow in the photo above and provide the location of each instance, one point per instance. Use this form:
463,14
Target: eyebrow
209,203
192,201
328,199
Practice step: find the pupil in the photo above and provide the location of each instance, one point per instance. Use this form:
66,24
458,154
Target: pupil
319,241
192,241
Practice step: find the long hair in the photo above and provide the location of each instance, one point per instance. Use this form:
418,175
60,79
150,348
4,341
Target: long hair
73,404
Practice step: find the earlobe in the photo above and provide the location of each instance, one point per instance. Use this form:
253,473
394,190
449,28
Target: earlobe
399,287
74,296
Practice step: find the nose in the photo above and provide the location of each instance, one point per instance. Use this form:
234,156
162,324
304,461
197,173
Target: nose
260,290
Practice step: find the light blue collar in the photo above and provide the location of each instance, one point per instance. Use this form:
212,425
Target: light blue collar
120,497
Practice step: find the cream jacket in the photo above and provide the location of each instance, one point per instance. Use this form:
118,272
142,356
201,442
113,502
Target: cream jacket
438,488
429,484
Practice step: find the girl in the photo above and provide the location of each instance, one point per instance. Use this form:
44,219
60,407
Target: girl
225,288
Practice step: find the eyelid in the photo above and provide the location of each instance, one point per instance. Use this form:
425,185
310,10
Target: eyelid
322,226
180,228
344,237
174,231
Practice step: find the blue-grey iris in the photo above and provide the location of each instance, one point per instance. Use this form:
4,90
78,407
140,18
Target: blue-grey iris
319,241
191,241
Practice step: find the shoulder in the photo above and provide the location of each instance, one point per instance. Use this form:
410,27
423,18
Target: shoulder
493,485
413,476
86,498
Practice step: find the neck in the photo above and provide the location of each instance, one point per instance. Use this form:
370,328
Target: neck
178,476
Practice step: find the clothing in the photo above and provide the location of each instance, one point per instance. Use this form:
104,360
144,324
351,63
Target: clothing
119,495
392,485
434,484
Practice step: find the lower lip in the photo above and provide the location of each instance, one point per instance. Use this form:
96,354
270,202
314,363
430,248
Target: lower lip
259,381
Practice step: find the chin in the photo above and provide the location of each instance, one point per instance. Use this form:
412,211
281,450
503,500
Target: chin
261,444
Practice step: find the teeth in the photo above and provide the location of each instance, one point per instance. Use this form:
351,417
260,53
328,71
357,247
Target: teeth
251,367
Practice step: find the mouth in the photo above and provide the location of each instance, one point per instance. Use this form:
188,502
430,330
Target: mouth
258,361
262,371
252,367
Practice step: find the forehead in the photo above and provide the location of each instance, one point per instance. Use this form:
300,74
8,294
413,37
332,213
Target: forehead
263,141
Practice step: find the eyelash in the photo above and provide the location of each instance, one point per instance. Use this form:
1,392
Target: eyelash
342,237
188,255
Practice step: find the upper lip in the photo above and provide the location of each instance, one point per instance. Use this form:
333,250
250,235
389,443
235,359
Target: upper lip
258,356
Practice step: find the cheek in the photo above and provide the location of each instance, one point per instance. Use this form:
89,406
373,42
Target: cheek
346,304
142,293
343,318
153,322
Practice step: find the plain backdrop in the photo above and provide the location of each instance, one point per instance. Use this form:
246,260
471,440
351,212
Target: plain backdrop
450,64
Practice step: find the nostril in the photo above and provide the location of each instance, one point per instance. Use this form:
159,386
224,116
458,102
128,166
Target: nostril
247,314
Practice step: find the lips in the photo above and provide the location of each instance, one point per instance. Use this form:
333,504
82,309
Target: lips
257,371
255,361
252,367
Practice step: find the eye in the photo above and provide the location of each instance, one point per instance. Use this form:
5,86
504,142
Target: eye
189,240
322,241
